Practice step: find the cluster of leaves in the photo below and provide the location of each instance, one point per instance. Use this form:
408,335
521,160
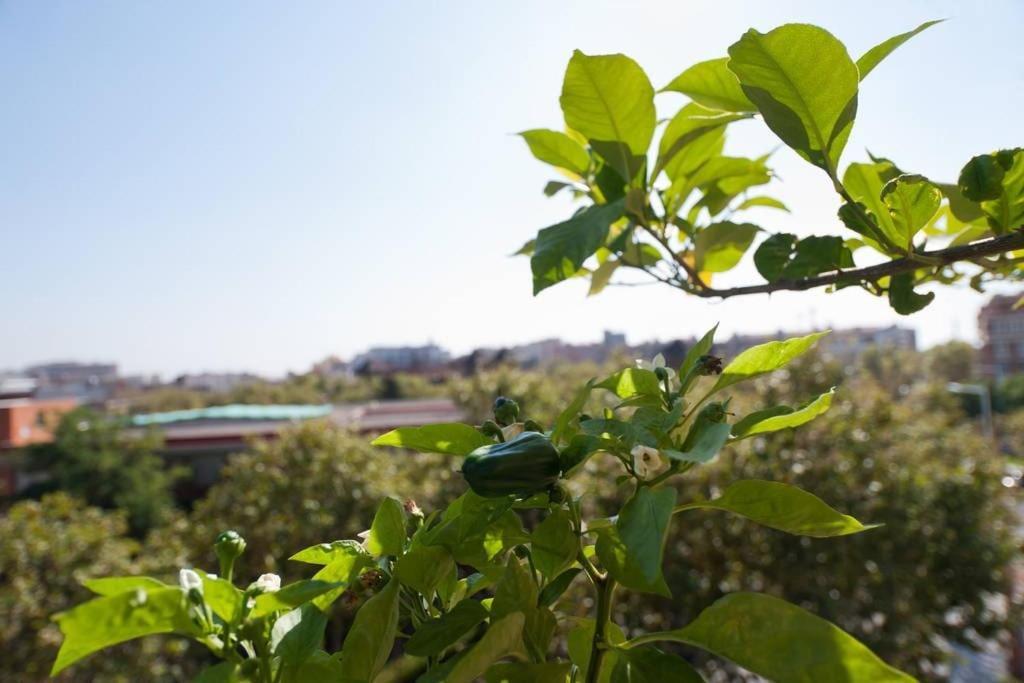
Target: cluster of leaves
426,576
672,213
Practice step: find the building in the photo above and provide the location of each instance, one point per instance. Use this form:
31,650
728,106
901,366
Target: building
215,381
387,359
1002,335
89,383
850,343
23,422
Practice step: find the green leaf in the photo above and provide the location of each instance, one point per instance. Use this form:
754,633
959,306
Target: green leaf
1003,207
291,596
558,149
782,642
326,553
712,85
320,666
113,619
982,178
431,637
648,664
804,83
565,418
557,586
297,634
225,672
624,566
765,358
521,672
864,182
387,533
902,297
783,507
912,202
643,527
781,256
782,417
692,136
502,638
708,443
601,276
561,249
451,438
342,572
875,55
372,636
768,202
632,382
554,544
720,246
424,567
112,585
222,596
701,348
609,98
579,646
551,188
516,592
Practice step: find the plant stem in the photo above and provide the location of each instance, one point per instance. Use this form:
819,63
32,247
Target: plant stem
605,596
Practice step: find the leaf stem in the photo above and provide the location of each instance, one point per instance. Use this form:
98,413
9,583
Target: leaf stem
598,646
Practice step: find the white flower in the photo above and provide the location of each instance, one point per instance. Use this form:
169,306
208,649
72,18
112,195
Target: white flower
266,583
646,460
189,580
655,363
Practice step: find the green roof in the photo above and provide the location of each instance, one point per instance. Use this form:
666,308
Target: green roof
236,411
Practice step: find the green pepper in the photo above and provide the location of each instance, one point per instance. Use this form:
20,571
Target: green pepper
520,466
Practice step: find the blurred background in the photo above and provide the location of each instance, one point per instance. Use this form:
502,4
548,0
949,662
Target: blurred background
243,238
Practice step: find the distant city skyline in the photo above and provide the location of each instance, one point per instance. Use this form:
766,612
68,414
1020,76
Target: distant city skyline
190,187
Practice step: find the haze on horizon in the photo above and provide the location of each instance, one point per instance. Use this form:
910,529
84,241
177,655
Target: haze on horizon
255,186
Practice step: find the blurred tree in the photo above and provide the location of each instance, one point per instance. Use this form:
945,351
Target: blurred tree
47,547
951,362
91,456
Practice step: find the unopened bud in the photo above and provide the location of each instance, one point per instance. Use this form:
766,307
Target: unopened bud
506,411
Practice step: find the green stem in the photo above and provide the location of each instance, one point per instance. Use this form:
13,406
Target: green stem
598,647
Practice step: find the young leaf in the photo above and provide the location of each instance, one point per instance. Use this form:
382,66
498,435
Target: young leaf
712,85
781,417
222,596
758,632
554,544
692,136
450,438
424,567
643,527
609,98
902,297
297,634
912,201
864,183
632,382
387,533
558,149
371,636
109,620
112,585
804,83
502,638
291,596
783,507
875,55
561,249
720,246
765,358
437,634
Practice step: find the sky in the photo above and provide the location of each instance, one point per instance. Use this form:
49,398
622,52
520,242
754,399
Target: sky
253,186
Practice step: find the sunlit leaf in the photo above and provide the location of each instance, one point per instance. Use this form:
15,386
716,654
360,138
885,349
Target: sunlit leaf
450,438
561,249
765,358
558,149
372,635
713,85
870,59
782,417
720,246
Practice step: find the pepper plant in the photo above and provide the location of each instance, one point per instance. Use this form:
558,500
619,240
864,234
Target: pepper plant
472,591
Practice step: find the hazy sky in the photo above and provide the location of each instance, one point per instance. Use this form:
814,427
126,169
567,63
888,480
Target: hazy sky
229,185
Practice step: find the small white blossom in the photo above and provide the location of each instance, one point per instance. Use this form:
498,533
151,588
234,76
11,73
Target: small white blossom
266,583
646,460
657,362
189,580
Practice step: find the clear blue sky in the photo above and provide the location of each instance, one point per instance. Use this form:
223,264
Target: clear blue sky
242,185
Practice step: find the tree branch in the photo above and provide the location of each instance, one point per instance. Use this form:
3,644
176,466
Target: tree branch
941,257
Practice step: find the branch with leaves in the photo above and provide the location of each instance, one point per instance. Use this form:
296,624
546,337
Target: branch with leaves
671,213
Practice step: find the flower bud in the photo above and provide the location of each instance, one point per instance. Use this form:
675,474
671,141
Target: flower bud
228,547
506,411
266,583
412,509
